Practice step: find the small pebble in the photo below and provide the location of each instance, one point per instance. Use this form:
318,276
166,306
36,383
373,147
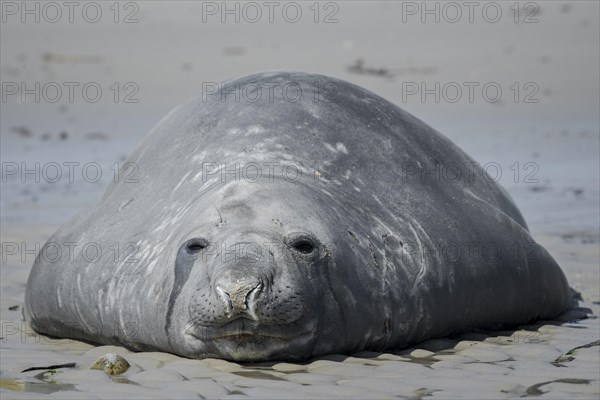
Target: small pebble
112,364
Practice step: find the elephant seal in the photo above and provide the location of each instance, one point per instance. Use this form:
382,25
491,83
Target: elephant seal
289,215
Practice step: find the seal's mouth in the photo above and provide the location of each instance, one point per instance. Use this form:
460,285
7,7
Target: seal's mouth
244,331
248,340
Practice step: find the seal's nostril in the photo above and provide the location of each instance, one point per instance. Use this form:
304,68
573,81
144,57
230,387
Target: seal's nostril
239,297
251,299
226,299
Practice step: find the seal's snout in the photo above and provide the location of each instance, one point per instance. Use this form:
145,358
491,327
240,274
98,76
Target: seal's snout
239,294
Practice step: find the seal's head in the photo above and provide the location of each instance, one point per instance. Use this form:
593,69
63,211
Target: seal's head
252,278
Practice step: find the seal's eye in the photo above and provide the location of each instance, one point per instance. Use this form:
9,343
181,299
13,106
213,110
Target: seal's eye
196,245
303,245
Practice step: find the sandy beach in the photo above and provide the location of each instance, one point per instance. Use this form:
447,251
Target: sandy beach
545,153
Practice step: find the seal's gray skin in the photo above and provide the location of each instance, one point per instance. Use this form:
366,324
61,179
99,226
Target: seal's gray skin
347,240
